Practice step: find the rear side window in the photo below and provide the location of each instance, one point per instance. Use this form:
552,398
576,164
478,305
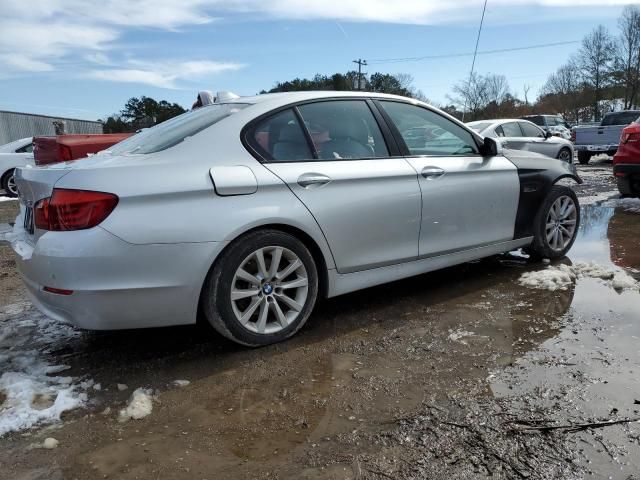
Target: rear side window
511,129
531,130
170,133
26,149
427,133
280,138
343,129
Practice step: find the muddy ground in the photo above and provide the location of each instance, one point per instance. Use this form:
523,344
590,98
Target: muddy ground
462,373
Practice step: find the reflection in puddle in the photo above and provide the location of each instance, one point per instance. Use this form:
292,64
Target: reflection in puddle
589,369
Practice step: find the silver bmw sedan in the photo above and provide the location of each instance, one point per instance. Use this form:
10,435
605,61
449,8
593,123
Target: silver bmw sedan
248,210
525,135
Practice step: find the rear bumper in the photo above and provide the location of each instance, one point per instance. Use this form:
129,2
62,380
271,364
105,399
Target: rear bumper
116,285
610,148
627,176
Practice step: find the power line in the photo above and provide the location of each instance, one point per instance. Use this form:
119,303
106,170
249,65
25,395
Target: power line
469,54
475,54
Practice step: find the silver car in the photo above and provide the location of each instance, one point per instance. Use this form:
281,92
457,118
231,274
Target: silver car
245,212
525,135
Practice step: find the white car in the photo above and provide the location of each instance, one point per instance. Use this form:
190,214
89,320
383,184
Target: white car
13,155
516,134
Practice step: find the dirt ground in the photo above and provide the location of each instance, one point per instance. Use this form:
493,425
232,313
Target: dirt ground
462,373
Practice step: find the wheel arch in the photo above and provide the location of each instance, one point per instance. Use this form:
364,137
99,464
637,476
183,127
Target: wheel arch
304,237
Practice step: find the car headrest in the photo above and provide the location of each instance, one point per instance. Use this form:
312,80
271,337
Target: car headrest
291,134
348,128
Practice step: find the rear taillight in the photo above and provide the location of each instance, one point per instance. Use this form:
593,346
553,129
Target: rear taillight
69,209
630,137
64,153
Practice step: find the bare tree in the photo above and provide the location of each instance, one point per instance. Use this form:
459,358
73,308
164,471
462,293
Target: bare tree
627,57
564,91
481,95
526,89
595,60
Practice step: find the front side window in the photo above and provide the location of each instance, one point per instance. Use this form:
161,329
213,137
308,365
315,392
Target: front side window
537,119
280,138
427,133
173,131
531,130
343,129
511,129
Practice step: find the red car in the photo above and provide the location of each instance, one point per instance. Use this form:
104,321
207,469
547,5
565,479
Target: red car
63,148
626,162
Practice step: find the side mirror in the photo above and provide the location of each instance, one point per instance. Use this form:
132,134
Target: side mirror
548,134
491,147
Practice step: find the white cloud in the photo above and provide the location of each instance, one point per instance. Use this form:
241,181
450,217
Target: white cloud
37,33
163,75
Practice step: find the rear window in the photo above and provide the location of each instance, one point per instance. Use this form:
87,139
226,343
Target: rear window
170,133
621,118
537,119
479,126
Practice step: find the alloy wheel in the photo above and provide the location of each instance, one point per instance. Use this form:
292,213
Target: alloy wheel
565,156
269,290
561,223
11,185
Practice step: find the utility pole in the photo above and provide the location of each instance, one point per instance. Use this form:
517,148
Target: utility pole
475,54
360,63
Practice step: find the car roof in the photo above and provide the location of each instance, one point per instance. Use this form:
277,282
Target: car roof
314,94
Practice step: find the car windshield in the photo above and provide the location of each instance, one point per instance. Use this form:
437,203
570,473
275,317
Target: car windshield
479,126
622,118
170,133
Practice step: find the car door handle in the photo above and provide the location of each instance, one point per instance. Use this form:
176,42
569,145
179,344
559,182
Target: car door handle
310,179
431,172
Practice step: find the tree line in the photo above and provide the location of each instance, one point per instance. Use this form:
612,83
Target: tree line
140,113
603,75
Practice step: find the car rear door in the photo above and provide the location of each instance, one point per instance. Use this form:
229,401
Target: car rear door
467,200
333,156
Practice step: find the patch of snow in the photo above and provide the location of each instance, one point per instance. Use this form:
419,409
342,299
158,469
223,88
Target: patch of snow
34,392
459,335
562,276
121,387
140,405
599,197
551,278
50,443
631,205
181,383
7,199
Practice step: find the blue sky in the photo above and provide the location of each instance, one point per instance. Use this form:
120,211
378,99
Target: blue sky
85,58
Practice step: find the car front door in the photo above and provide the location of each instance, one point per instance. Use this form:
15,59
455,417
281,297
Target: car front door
468,200
334,158
537,140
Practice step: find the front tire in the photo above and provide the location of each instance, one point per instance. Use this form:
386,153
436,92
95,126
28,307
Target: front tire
565,155
8,184
556,223
262,289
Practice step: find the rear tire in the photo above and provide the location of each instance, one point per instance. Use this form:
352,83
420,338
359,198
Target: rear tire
262,289
8,184
565,155
556,224
584,157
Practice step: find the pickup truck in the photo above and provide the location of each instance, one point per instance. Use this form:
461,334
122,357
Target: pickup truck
64,148
603,138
